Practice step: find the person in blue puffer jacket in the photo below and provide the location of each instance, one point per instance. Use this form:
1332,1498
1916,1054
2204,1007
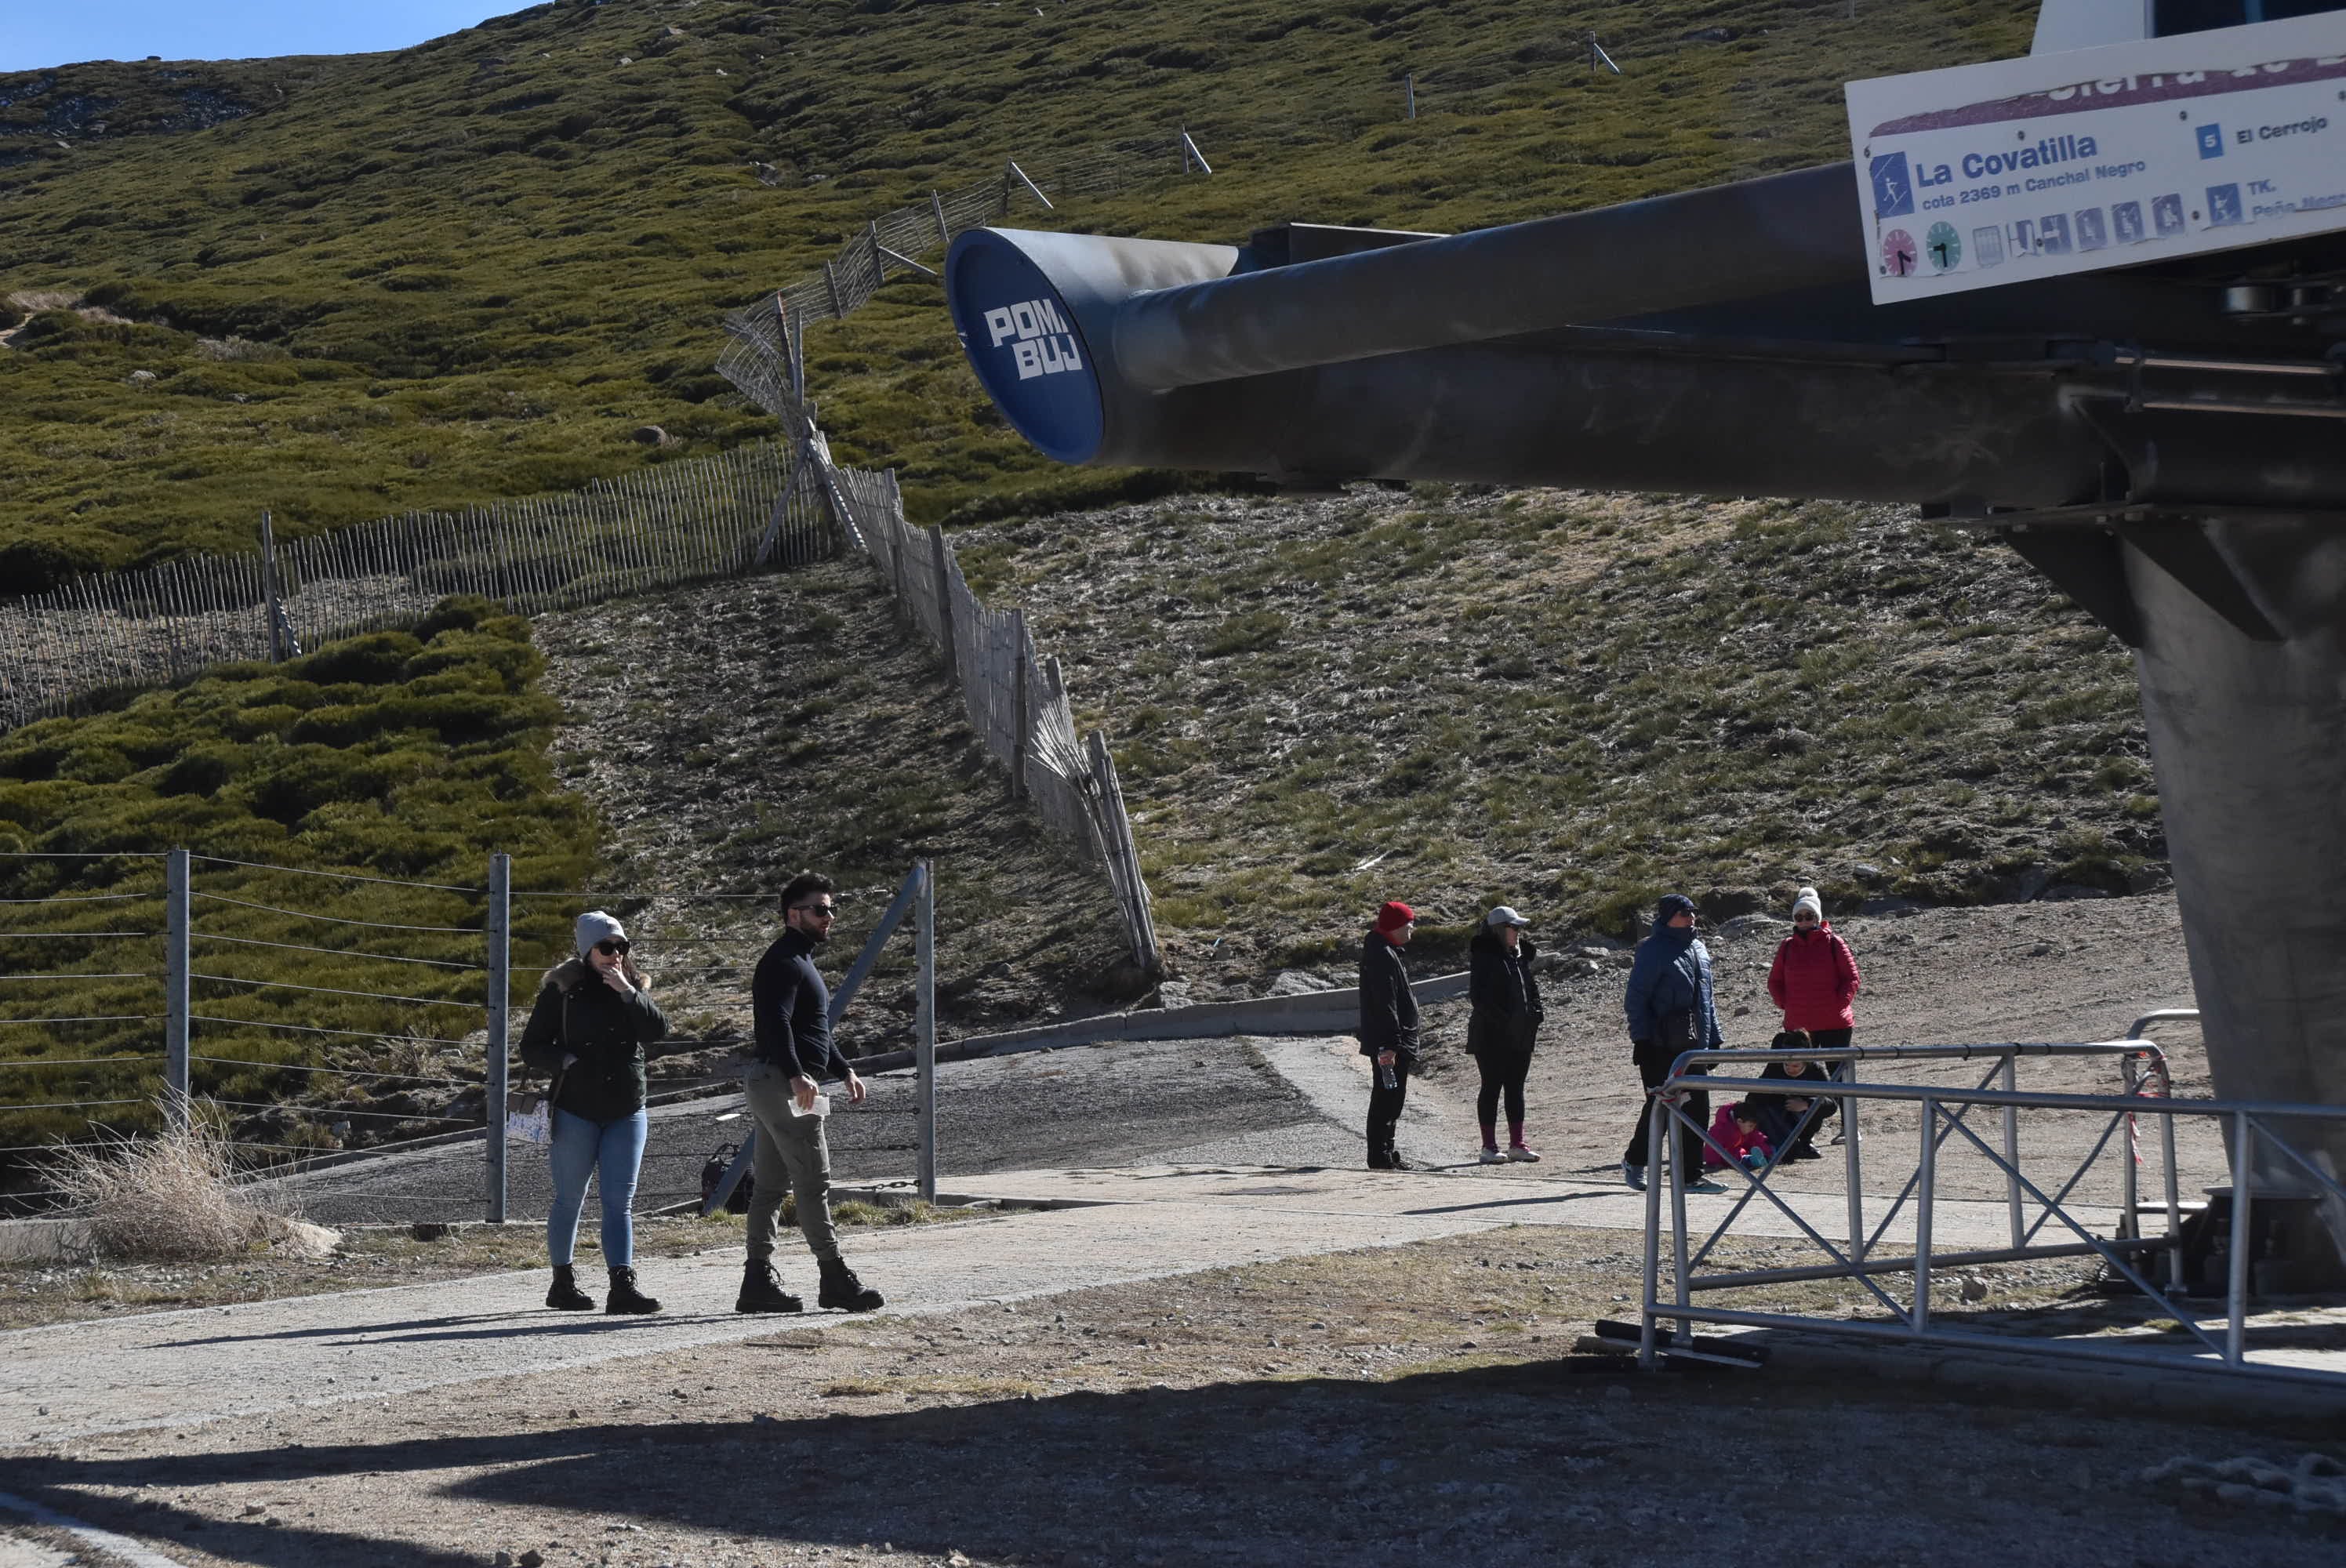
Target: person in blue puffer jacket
1670,1010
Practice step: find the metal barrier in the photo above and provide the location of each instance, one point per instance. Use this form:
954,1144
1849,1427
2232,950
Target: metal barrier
2249,1127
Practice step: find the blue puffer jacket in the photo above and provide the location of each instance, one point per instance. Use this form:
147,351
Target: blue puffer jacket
1672,976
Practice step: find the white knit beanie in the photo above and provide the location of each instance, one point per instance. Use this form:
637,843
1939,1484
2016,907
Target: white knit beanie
1808,901
595,926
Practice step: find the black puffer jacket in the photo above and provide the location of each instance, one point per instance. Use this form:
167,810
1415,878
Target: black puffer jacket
577,1016
1505,994
1388,1006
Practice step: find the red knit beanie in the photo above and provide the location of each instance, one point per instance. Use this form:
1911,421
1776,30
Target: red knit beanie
1394,916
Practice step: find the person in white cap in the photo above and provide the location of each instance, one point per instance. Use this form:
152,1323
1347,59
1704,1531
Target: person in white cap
1503,1026
1814,978
587,1032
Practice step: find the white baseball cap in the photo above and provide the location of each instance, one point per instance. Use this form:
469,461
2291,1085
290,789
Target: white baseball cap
1505,915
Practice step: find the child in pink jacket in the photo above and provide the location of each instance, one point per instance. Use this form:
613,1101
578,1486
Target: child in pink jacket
1737,1130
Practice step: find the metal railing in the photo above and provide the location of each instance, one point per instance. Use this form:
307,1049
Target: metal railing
1943,1113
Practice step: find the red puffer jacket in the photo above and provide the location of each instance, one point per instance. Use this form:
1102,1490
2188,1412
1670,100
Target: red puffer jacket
1814,980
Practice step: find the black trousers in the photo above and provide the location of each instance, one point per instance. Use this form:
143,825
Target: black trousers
1384,1108
1830,1039
1654,1061
1778,1119
1503,1073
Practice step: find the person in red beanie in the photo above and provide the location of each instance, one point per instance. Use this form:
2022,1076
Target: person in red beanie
1388,1029
1814,977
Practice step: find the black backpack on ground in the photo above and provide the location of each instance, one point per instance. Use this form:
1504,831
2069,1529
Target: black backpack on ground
712,1171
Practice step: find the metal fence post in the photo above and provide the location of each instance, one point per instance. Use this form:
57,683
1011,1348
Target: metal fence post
1657,1129
1926,1189
924,1070
1409,92
2012,1155
1680,1179
2236,1291
497,921
178,1103
1852,1167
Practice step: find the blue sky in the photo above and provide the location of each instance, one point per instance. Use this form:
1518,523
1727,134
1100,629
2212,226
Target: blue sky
37,33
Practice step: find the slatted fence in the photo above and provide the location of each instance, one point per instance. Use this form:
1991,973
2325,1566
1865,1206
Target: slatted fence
672,523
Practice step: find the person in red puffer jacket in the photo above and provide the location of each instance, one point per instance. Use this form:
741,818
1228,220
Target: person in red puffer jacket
1814,977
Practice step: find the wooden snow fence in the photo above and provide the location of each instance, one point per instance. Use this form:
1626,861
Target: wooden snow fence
1017,700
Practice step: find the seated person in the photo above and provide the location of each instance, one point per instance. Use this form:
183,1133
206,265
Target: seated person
1736,1129
1779,1112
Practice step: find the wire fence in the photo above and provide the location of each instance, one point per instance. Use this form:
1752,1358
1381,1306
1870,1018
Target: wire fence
289,1051
672,523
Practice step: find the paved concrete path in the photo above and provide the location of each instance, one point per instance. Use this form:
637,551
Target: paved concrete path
179,1367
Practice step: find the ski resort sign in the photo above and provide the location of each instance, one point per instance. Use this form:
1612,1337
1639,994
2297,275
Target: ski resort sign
2094,159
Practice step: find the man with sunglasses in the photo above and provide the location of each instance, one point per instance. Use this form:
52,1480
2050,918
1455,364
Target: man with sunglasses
791,1011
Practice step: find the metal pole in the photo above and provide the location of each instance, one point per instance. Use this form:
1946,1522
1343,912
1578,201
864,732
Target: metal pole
1926,1191
1409,91
1852,1167
924,1069
2174,1199
2236,1327
1685,1332
177,1102
497,921
2012,1154
2130,1184
1656,1131
944,229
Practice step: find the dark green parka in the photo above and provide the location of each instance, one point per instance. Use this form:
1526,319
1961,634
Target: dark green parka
579,1015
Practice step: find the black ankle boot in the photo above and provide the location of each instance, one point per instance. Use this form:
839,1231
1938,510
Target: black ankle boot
625,1297
842,1288
566,1295
761,1291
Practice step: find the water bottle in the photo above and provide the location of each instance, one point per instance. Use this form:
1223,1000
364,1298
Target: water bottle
1386,1075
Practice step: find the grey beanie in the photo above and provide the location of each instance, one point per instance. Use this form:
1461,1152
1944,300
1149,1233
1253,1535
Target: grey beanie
595,926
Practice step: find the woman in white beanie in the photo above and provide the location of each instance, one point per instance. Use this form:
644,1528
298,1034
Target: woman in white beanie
1814,977
594,1017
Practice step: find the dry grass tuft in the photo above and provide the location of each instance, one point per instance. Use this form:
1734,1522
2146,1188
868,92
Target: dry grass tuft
171,1199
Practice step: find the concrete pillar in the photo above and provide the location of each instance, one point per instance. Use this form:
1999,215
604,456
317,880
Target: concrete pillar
2248,732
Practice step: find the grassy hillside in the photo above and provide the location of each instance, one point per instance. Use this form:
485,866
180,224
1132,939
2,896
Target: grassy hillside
471,268
401,755
1572,702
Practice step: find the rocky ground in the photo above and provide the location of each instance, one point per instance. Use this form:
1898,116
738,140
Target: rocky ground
1399,1406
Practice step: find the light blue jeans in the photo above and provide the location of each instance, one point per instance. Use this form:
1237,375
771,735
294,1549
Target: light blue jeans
580,1148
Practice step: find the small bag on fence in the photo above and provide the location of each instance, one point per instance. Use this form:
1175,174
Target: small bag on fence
712,1171
529,1113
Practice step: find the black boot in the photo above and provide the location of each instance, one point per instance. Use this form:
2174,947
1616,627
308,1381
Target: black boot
842,1288
566,1295
761,1291
625,1297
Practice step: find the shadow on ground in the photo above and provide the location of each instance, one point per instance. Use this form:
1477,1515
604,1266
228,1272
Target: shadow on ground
1568,1461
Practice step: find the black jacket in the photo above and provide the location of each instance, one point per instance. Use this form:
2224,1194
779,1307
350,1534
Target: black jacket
790,1007
1503,993
1806,1085
1388,1007
577,1016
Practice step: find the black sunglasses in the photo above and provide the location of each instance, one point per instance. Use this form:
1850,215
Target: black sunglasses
607,949
827,911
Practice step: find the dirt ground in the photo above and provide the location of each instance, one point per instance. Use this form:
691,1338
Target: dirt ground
33,1295
1401,1406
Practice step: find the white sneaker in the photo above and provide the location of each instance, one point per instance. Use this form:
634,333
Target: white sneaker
1635,1176
1520,1154
1492,1157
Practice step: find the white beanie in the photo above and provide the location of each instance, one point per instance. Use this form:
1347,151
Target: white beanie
595,926
1808,901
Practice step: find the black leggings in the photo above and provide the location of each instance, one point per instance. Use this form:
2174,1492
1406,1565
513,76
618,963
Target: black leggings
1502,1071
